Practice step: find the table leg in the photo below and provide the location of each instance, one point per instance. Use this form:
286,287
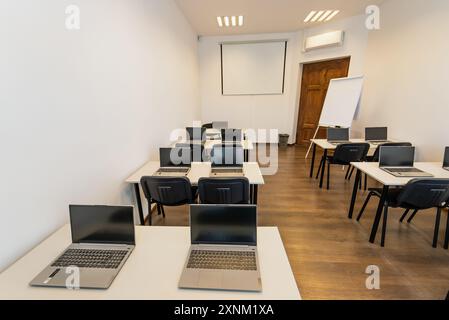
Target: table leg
380,208
255,194
246,155
139,203
312,165
323,168
354,193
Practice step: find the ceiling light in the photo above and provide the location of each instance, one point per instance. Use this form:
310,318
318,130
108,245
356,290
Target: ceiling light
311,14
333,15
226,20
325,15
316,17
220,22
240,21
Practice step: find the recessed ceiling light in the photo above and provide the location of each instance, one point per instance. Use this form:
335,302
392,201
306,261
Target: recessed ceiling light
321,15
229,21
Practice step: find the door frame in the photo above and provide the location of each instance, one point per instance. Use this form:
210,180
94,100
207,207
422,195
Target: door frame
299,87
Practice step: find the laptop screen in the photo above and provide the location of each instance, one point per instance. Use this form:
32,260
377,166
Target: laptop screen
102,224
227,156
229,135
397,156
376,134
175,157
337,134
196,134
446,158
223,224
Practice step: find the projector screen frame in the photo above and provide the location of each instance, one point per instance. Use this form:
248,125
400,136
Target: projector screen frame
285,41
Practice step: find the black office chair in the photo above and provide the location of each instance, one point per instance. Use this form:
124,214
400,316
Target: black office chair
418,194
224,190
208,126
167,191
345,154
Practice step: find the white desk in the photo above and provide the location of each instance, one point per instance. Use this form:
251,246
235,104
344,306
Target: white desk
387,180
198,170
327,146
152,271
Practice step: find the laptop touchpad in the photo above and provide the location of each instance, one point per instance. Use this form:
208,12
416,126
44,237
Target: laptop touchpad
210,278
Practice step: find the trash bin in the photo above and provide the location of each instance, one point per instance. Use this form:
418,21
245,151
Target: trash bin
283,140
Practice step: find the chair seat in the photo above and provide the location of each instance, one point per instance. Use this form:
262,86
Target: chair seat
392,196
332,160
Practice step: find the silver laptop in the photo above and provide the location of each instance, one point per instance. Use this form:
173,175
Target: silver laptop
399,162
223,252
102,240
376,136
227,161
446,159
337,136
174,162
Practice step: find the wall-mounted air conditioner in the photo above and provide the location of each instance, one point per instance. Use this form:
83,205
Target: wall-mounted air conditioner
325,40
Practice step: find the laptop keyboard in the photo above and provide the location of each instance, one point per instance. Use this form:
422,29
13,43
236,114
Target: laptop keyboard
222,260
173,170
91,258
227,171
406,170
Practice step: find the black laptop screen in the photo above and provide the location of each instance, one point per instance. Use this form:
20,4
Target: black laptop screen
223,224
231,135
397,156
102,224
446,158
175,157
337,134
376,134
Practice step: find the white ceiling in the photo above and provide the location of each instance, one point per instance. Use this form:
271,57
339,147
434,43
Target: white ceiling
264,16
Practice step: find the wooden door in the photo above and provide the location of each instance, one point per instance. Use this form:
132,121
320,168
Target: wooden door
315,82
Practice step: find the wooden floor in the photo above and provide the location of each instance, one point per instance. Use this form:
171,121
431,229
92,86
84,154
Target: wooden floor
329,253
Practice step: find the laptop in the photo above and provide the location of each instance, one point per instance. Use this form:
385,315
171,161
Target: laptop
223,252
338,136
446,159
220,125
227,161
174,162
196,135
376,136
231,136
399,162
102,240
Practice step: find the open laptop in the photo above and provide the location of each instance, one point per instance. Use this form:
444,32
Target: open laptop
399,162
102,240
231,136
338,136
223,252
174,162
376,136
446,159
196,135
227,161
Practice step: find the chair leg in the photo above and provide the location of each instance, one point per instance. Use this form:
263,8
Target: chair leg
412,216
350,174
364,206
328,174
150,222
158,206
366,182
404,215
163,211
446,240
437,228
384,227
319,168
347,172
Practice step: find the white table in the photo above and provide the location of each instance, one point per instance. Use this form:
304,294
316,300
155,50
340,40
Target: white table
198,170
327,146
152,271
387,180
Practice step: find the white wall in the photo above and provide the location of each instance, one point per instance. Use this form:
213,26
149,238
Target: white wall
407,75
81,110
274,112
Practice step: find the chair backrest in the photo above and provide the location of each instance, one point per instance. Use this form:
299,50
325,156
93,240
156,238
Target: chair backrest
425,193
350,152
224,190
208,126
168,191
389,144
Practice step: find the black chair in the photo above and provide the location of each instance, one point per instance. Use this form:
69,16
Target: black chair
167,191
224,190
208,126
345,154
418,194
